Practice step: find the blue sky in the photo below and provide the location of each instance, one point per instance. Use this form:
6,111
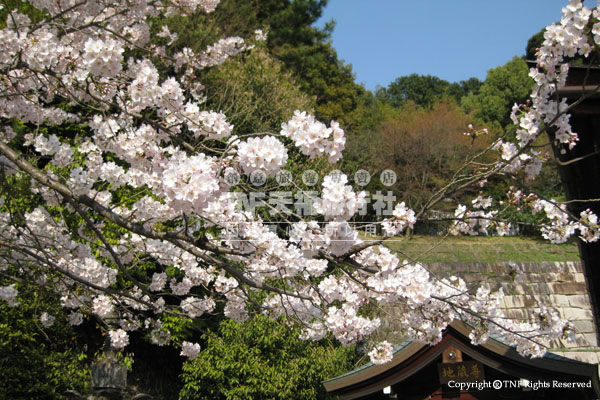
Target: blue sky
451,39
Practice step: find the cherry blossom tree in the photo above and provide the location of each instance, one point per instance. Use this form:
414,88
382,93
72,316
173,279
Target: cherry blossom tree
114,190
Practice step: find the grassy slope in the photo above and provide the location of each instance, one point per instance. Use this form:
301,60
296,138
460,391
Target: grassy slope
481,249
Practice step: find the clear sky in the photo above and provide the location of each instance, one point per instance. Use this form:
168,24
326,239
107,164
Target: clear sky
451,39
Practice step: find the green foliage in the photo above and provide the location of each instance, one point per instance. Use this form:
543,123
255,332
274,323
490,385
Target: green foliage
372,110
254,93
262,359
503,87
301,47
423,90
25,8
38,362
471,85
324,76
305,52
425,147
292,39
426,90
534,43
290,21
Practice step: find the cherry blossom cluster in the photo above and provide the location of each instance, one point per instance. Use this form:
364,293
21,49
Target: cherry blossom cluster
190,6
340,237
47,320
560,226
472,132
260,35
314,138
309,236
382,353
207,123
266,154
402,218
477,222
190,350
9,295
516,160
338,201
118,338
588,227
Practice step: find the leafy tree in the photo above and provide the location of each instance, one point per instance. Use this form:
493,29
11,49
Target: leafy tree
533,44
423,90
426,90
504,86
262,359
425,148
372,111
37,361
254,92
292,39
305,51
362,146
464,88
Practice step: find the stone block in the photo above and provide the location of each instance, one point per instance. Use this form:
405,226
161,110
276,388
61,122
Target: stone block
558,300
584,326
579,342
548,267
591,338
574,266
541,288
569,288
574,314
461,267
520,301
537,277
513,301
532,268
516,314
563,277
499,269
580,301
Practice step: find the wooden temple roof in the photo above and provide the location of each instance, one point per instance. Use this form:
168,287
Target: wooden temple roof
412,358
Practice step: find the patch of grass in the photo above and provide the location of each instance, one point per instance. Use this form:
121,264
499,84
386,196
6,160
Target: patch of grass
506,247
481,249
